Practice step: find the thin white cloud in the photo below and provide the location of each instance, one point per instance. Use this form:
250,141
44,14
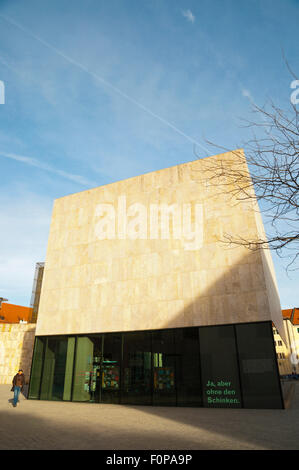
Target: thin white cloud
189,15
43,166
247,94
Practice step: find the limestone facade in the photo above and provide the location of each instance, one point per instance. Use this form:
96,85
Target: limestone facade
124,284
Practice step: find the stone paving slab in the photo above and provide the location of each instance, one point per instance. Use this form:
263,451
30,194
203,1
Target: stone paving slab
62,425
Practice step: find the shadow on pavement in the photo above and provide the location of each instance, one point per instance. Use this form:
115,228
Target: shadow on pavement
58,425
23,431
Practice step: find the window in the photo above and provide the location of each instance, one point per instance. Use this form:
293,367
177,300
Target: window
137,368
88,351
281,356
188,367
213,366
259,379
164,367
37,367
111,373
58,358
219,366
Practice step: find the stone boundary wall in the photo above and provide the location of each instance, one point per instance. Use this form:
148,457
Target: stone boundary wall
16,348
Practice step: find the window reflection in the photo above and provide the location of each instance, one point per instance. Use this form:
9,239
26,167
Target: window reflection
110,373
164,367
216,366
137,368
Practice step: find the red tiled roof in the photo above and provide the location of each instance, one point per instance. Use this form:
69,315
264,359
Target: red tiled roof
296,316
287,313
292,314
10,313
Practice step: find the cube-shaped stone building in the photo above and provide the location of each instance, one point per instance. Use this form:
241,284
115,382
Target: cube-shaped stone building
143,301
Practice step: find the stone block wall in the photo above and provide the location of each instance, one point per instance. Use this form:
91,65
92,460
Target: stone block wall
16,348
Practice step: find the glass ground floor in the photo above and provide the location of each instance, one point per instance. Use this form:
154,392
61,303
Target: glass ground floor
230,366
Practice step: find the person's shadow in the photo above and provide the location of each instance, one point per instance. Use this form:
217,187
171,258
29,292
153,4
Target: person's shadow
24,392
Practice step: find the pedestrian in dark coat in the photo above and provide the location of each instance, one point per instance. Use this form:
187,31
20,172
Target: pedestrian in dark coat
18,383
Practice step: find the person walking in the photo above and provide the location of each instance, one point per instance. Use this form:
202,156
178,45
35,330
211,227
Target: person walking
18,383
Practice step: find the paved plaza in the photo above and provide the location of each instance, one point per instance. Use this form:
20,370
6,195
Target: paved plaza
57,425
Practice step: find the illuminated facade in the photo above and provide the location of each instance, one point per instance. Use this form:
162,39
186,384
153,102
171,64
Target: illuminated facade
141,302
288,352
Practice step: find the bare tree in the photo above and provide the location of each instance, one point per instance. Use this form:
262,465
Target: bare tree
272,156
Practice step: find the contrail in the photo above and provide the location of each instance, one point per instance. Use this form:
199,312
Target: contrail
101,80
44,166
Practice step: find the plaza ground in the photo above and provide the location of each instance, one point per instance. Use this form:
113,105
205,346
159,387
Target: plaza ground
63,425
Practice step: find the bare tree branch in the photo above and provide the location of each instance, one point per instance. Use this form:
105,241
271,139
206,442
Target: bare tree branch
271,167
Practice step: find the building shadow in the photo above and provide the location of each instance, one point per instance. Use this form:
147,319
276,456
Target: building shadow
56,425
235,292
31,431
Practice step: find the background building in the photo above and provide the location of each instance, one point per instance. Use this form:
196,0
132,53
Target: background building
17,333
10,313
288,352
147,319
36,290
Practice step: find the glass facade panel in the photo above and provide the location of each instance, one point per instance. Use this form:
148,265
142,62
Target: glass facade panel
54,369
48,371
111,368
188,381
137,369
83,367
164,368
59,370
67,390
95,376
87,375
36,368
213,366
219,367
258,366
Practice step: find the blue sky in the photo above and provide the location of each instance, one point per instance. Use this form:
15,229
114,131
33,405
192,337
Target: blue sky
99,91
